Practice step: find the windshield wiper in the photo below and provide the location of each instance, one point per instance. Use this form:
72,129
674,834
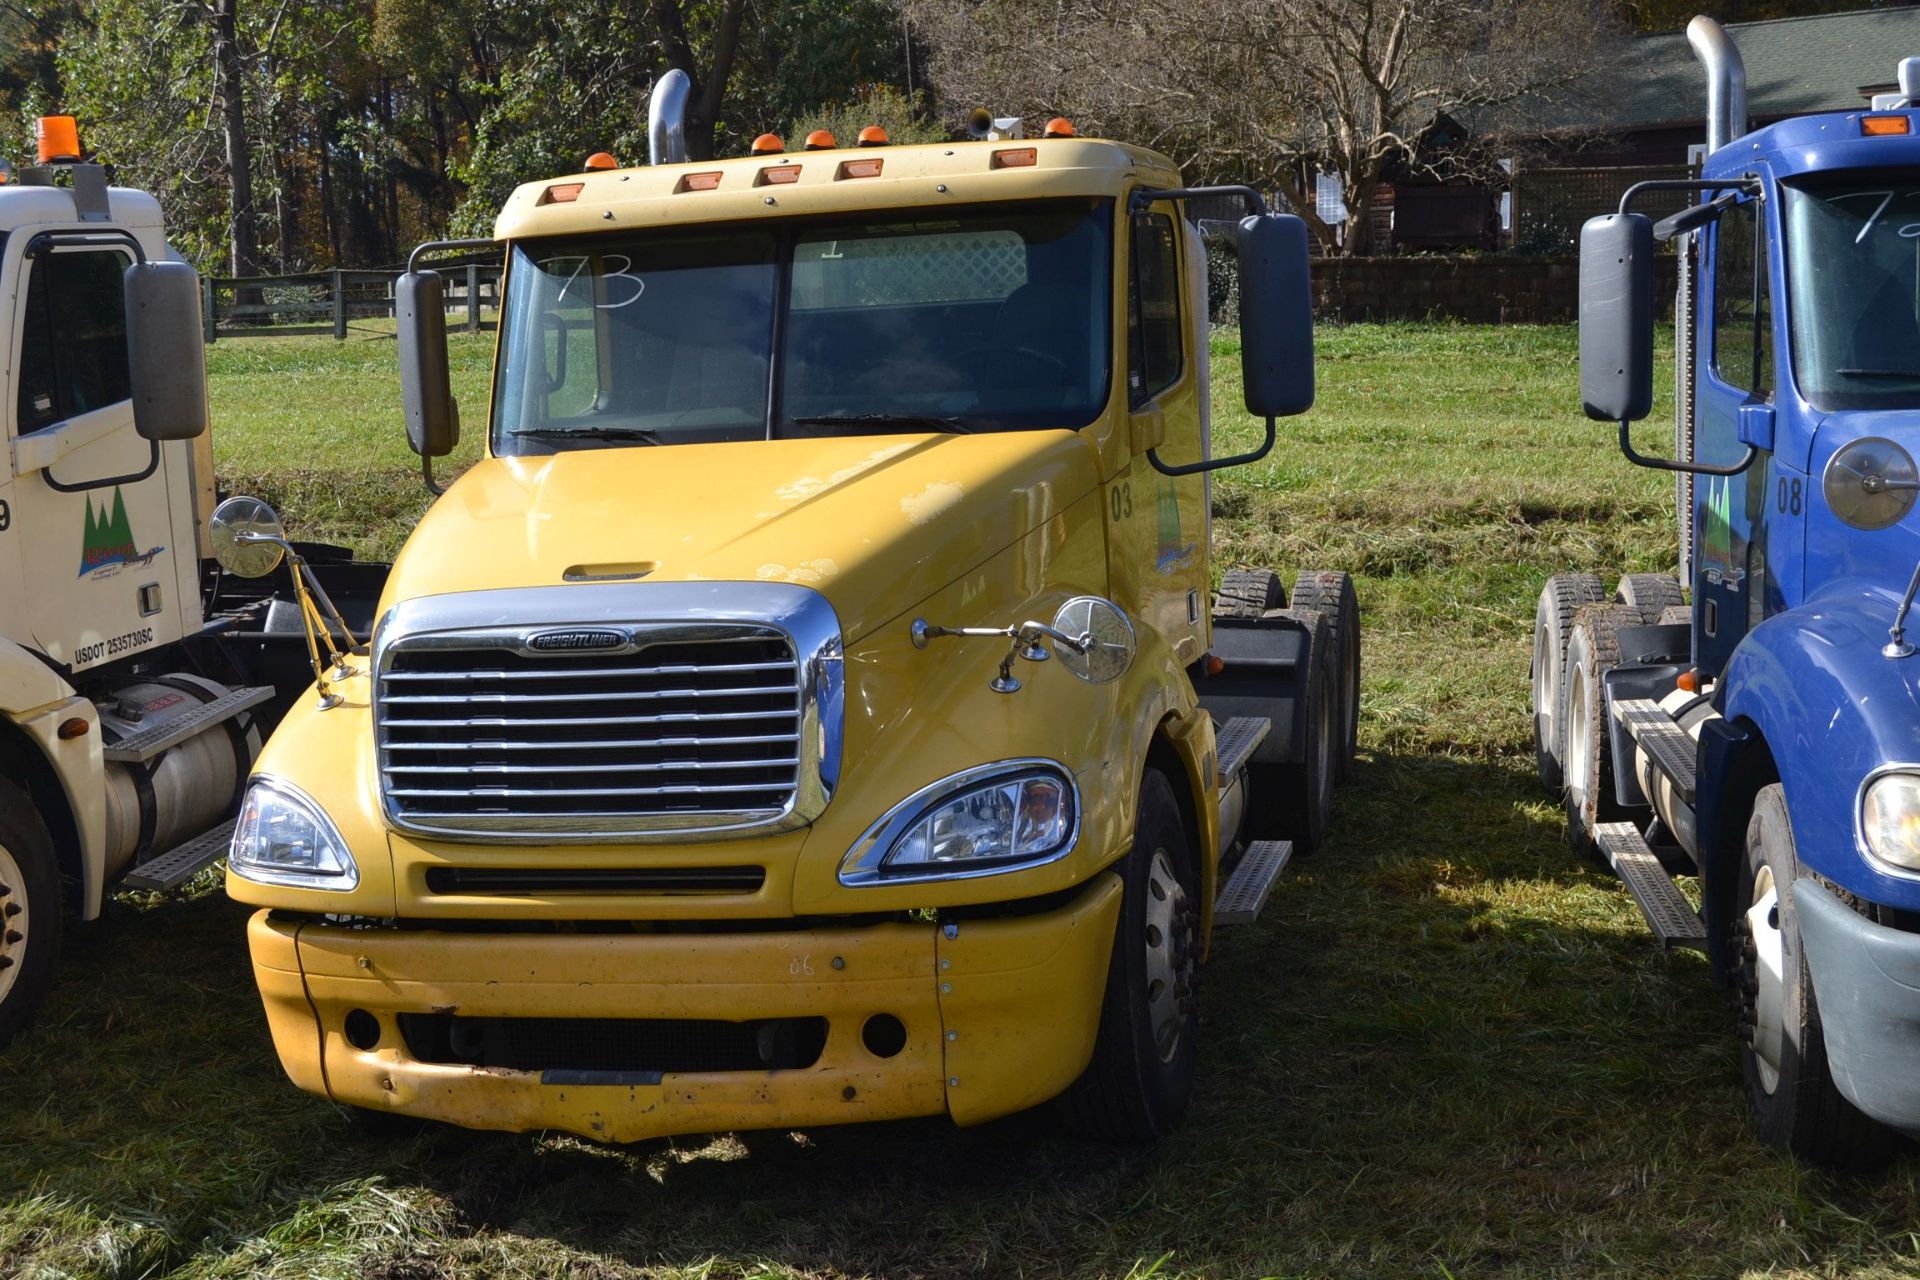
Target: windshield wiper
637,435
901,421
1879,373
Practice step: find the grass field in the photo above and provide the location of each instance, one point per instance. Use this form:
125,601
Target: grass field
1448,1048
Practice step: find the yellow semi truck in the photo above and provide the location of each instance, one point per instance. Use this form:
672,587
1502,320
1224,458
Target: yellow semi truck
812,708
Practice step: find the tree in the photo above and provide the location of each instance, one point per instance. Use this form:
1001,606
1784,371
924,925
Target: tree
1267,91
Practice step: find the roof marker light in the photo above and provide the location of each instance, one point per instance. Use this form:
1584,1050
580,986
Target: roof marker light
602,160
59,139
1014,158
699,181
1058,127
1884,126
820,140
859,169
562,193
767,144
778,174
874,136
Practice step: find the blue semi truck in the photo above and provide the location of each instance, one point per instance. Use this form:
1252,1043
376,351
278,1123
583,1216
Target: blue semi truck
1754,720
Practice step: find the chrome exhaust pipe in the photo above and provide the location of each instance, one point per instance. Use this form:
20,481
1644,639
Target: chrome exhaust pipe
667,118
1726,81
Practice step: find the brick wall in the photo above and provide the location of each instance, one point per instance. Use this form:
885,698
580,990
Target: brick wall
1477,290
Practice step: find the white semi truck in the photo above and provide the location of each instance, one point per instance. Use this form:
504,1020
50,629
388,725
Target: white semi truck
137,680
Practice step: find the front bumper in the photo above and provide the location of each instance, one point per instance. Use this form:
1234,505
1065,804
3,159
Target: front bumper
1866,978
999,1014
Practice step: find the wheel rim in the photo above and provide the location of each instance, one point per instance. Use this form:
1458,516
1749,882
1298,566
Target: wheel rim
1542,687
1169,956
1765,988
13,921
1574,768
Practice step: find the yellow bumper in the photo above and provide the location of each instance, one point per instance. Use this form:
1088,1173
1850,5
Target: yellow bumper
999,1015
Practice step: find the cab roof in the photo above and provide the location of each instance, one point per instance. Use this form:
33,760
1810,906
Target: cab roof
1829,142
920,176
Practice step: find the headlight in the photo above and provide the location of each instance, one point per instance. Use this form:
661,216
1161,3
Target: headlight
1890,819
281,837
1001,817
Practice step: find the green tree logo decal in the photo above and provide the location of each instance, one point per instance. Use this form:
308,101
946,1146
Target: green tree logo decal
108,538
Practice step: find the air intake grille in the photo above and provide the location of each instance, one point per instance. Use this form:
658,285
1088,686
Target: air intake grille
687,727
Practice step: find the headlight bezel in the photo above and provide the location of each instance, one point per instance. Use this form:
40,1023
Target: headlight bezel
1880,861
865,864
281,875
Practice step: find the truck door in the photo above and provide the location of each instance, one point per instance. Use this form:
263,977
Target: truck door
89,515
1731,585
1157,522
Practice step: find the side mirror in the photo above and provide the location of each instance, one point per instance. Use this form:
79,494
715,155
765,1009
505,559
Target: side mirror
1616,317
426,389
1276,315
166,350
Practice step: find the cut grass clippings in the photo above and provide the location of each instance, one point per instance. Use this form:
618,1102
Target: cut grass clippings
1449,1048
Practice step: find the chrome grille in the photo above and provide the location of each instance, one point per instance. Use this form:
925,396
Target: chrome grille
664,727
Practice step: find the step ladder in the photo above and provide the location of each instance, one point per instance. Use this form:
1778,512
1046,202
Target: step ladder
138,748
1236,741
1246,890
179,864
1672,751
1669,914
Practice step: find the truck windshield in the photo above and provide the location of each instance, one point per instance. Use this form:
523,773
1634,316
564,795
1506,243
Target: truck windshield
988,318
1853,280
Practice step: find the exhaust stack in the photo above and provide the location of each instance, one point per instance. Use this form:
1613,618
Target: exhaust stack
1726,81
1909,80
667,118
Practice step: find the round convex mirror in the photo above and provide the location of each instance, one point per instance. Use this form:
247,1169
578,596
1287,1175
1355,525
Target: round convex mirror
238,531
1110,639
1871,483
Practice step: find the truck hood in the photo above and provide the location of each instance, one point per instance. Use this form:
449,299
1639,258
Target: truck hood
874,523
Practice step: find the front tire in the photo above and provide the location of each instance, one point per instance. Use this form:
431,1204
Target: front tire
30,911
1795,1104
1140,1080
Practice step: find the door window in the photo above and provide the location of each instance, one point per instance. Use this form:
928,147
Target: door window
1153,313
1742,313
73,345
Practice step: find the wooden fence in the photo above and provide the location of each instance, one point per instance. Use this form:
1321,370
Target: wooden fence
327,302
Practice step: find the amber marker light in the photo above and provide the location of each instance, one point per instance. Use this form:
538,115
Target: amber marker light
767,144
820,140
1016,158
860,168
700,181
1687,682
874,136
1215,664
1058,127
71,729
1884,126
779,174
562,193
602,160
59,139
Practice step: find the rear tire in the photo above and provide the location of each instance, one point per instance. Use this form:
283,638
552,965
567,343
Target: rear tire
1140,1079
1560,599
1592,650
1248,593
1331,592
1795,1104
1294,801
30,911
1649,594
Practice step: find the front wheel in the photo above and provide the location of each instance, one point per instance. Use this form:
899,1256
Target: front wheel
1796,1105
1141,1076
30,910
